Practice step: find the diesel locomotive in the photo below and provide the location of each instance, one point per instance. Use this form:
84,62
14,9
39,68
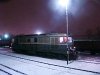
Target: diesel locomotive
57,44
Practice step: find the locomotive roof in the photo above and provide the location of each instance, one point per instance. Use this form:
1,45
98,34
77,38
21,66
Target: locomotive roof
50,34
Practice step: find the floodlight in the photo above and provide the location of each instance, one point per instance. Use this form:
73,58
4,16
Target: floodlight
6,36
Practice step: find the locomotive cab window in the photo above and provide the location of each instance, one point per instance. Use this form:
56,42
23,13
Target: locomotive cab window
63,39
35,39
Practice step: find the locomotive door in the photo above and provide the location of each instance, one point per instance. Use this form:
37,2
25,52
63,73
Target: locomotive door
52,43
31,44
52,40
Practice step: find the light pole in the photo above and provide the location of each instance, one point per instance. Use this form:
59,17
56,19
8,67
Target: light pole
67,25
65,4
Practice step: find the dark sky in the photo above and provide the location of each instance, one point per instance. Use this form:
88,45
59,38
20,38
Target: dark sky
29,16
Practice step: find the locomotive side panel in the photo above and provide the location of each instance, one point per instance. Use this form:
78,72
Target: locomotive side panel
43,44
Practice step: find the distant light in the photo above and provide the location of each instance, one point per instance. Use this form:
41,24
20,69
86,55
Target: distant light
6,36
0,39
39,32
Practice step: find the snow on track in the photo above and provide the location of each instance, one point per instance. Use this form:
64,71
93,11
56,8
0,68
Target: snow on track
44,66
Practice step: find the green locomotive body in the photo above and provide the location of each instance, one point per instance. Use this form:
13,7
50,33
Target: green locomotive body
55,43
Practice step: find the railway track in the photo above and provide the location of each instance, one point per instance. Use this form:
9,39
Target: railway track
71,68
92,62
5,72
87,58
7,68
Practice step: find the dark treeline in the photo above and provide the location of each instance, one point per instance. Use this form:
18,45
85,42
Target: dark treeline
93,34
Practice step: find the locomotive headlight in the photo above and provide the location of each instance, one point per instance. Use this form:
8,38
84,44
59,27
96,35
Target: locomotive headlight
74,47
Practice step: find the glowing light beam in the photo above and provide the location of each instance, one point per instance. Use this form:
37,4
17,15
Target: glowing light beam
60,5
64,3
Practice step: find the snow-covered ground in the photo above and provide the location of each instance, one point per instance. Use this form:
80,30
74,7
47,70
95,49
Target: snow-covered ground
19,64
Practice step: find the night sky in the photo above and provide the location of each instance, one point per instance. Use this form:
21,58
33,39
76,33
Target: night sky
29,16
